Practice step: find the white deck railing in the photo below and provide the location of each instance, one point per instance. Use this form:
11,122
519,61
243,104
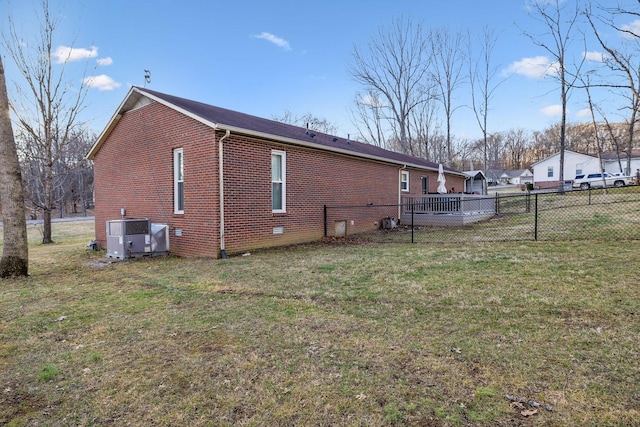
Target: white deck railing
425,208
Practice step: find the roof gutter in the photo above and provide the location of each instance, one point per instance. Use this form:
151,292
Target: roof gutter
223,253
346,152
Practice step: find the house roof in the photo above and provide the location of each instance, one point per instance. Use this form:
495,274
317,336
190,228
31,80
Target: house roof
612,155
236,122
558,154
515,173
474,174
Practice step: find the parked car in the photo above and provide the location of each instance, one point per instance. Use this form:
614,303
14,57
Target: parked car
584,182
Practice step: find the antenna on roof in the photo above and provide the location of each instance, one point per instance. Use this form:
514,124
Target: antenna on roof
147,77
308,132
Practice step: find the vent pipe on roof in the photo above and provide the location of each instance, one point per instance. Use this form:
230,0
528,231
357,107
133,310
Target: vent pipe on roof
223,253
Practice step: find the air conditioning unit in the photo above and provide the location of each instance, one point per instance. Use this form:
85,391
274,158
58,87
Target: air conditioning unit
133,238
159,239
389,223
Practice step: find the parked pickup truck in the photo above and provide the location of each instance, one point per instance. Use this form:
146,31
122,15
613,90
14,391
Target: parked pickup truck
584,182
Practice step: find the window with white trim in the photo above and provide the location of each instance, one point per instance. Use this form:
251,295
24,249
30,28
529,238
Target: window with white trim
579,169
278,181
404,180
178,181
550,172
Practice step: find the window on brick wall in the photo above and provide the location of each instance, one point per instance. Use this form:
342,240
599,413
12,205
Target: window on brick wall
178,181
404,180
278,181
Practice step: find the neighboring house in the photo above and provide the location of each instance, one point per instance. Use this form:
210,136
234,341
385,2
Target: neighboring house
517,176
227,182
546,172
614,163
494,177
509,176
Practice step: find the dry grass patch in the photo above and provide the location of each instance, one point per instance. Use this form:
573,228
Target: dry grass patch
325,335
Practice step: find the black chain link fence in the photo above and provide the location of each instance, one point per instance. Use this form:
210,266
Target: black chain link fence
595,214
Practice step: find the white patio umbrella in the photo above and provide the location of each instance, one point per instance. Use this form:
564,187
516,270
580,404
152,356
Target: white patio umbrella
441,180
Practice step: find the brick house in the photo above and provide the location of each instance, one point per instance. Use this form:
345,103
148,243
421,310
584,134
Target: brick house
227,182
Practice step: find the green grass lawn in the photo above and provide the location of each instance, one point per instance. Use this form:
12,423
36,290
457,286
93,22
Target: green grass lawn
324,335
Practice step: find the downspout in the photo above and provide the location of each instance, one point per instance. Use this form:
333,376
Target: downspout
223,253
398,214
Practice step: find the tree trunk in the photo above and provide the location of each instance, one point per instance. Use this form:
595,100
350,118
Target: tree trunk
15,252
48,205
46,226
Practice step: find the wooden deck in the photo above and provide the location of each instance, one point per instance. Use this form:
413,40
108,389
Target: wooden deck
446,210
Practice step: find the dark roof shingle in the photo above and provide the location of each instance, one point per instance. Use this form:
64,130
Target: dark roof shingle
248,122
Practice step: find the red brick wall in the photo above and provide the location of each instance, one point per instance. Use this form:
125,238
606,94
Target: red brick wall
314,179
546,184
134,170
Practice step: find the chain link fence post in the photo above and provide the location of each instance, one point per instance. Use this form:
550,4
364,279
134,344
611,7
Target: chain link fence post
535,221
412,204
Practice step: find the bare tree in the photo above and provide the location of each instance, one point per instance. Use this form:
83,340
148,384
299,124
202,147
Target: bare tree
594,123
613,132
15,252
624,63
307,120
447,73
73,178
423,128
394,70
481,77
556,41
496,150
437,146
79,173
516,141
463,156
47,107
369,120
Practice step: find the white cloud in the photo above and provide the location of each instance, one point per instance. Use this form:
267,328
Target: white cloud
536,67
372,101
103,62
70,54
595,56
101,82
585,112
633,27
274,39
552,110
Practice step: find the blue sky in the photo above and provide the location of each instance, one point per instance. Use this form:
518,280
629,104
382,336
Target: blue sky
267,57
